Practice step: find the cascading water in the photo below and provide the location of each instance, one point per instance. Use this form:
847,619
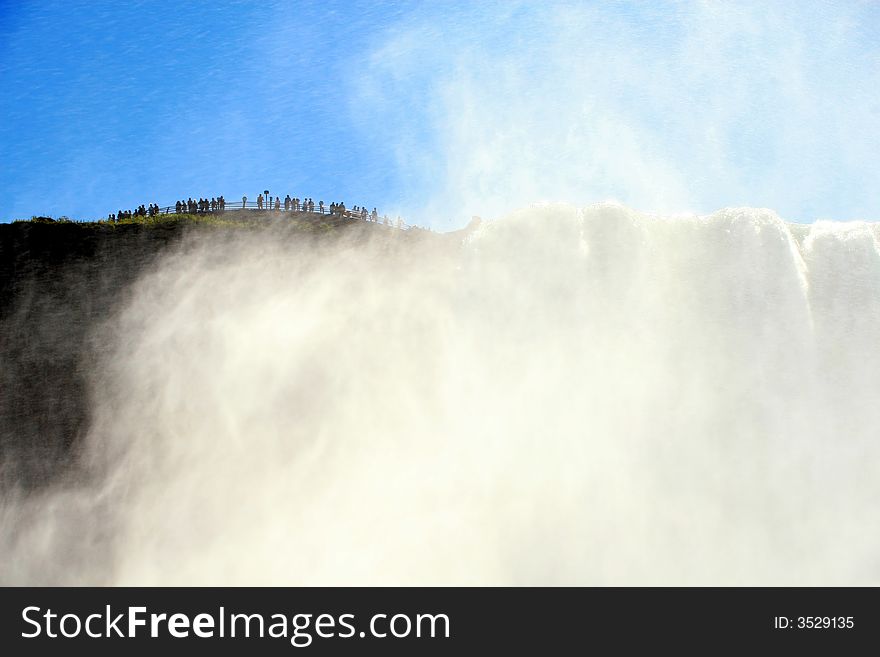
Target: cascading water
567,397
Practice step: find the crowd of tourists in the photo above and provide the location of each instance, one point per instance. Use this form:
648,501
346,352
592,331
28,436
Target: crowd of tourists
202,206
308,205
218,205
150,210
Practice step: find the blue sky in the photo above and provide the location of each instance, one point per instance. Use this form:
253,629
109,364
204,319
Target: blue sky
437,111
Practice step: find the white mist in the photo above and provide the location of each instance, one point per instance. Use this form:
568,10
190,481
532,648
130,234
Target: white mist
568,397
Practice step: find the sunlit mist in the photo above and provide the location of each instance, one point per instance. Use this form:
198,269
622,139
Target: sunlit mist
560,396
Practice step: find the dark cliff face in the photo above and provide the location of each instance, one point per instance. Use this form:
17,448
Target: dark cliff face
60,282
57,284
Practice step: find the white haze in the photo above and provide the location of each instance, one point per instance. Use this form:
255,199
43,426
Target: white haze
572,396
666,106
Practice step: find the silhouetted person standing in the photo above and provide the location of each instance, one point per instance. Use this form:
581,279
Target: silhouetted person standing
243,202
